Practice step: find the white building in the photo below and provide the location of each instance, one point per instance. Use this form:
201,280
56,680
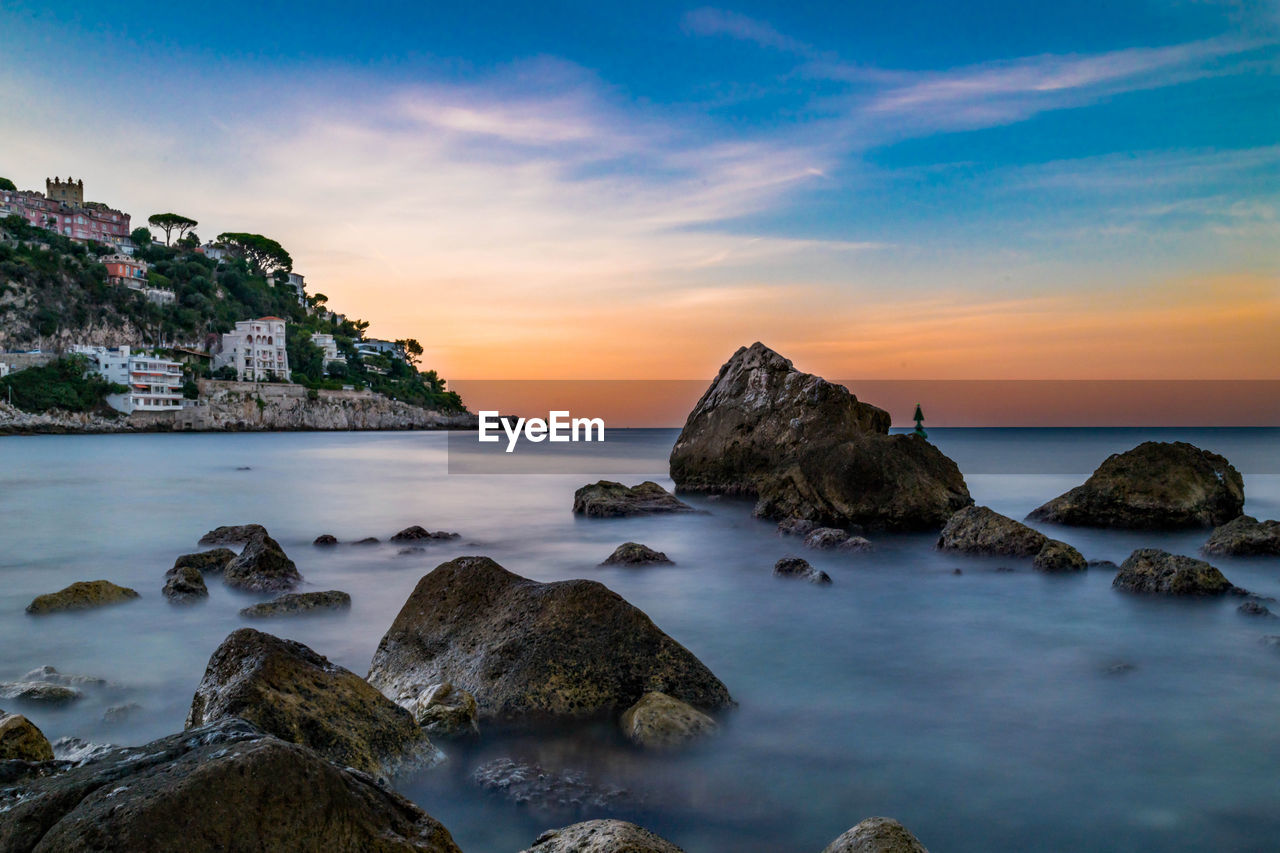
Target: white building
214,251
330,347
299,287
256,350
4,370
154,383
375,346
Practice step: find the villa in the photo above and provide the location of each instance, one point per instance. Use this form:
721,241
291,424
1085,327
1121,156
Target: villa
154,383
256,350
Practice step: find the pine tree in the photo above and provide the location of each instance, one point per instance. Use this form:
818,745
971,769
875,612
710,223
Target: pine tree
919,419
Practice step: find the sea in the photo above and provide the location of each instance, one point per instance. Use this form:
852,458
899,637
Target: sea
993,708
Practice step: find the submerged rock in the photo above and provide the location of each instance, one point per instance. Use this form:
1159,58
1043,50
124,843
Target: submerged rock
1253,608
832,538
20,740
807,448
81,595
659,722
446,711
298,602
119,713
206,561
325,539
601,836
226,786
297,695
420,534
877,835
262,566
1150,570
607,499
48,673
982,530
796,526
795,567
635,554
184,585
543,789
1244,536
233,534
368,540
1156,485
523,648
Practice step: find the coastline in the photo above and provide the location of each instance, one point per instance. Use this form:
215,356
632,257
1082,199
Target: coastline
247,407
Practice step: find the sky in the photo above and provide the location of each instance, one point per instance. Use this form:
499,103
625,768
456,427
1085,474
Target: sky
979,190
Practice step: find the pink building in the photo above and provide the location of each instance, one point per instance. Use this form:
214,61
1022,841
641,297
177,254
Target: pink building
64,210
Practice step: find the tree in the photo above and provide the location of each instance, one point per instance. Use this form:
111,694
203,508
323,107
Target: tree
412,350
6,184
226,373
170,222
141,236
264,254
190,241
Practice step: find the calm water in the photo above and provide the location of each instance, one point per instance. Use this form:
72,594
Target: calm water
980,709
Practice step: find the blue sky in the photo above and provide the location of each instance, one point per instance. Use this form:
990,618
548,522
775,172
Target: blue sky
986,190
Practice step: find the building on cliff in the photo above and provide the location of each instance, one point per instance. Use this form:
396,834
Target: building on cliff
132,273
154,383
62,208
256,350
376,346
330,347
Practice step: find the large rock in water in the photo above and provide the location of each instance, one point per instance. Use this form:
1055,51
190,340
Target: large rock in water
232,534
607,499
601,836
218,788
526,649
20,740
81,595
877,835
184,585
293,603
206,561
1151,570
1156,485
807,448
262,566
659,722
288,690
1245,536
982,530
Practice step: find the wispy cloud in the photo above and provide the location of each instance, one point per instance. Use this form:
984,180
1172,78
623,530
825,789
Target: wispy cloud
719,22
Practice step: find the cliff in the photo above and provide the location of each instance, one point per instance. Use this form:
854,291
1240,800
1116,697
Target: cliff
247,406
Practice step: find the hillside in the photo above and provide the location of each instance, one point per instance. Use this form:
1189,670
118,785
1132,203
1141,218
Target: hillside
54,293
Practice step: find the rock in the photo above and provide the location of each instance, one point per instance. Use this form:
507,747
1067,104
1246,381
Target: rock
234,534
411,551
807,448
877,835
368,540
535,786
982,530
1156,485
1058,556
1253,608
20,740
796,526
206,561
297,695
419,534
39,691
607,499
298,602
77,750
446,711
227,786
325,539
1120,668
119,713
262,566
1244,536
1150,570
659,722
1103,564
48,673
81,595
1272,640
523,648
601,836
831,538
795,567
184,585
635,554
